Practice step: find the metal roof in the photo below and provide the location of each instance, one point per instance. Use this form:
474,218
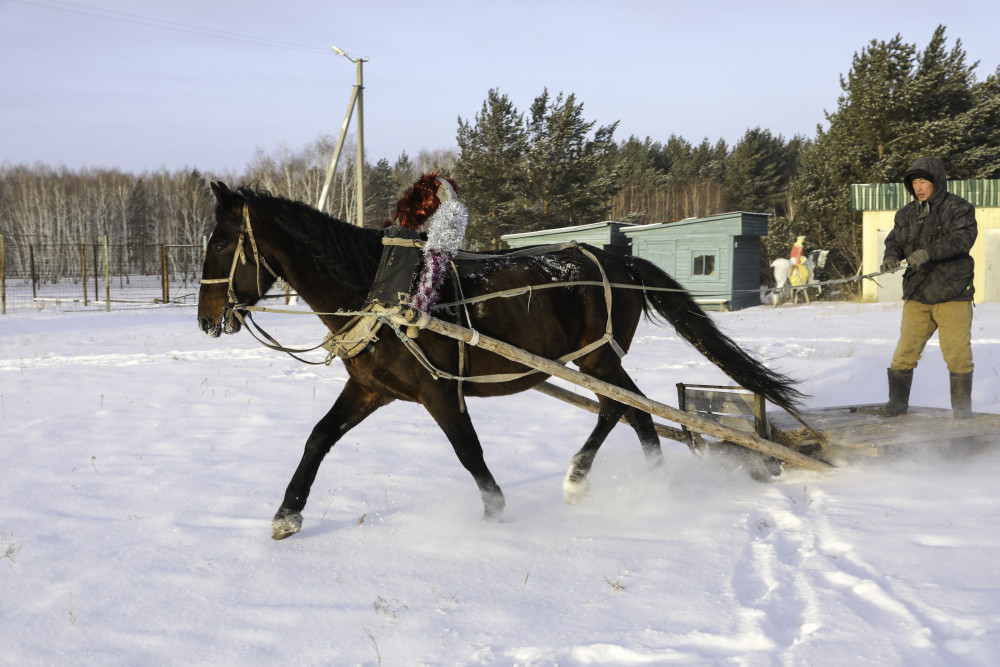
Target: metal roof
893,196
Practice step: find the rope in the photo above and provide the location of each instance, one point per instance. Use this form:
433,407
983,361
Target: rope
273,344
519,291
337,345
502,294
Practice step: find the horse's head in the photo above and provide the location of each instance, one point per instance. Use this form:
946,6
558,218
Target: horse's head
818,258
236,273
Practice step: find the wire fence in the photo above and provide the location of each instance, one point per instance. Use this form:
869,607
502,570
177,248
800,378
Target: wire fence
96,274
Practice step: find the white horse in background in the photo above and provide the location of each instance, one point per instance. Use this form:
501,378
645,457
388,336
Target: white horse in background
804,279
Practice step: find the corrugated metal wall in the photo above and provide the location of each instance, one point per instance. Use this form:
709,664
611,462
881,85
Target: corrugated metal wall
893,196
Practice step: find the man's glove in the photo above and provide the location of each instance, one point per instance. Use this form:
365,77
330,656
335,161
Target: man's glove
918,257
889,264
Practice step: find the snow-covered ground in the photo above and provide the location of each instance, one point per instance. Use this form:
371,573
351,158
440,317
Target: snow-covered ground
141,462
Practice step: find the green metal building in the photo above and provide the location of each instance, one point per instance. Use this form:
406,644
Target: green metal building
717,259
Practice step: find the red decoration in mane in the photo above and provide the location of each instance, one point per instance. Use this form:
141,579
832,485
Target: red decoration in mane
419,202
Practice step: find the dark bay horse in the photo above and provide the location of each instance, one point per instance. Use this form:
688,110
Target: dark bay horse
331,264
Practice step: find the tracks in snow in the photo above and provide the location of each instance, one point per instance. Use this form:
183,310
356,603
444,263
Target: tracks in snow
796,573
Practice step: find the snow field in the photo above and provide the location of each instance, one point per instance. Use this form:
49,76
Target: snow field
142,462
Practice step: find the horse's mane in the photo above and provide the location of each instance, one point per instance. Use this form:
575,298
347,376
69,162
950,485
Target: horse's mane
340,251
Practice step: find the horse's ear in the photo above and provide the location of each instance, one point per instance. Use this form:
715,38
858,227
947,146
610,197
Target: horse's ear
230,204
222,193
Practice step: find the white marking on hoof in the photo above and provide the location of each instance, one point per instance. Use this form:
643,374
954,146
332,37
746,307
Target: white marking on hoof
493,506
285,524
574,491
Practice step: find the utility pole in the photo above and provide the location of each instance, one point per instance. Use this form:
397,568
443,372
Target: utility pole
357,98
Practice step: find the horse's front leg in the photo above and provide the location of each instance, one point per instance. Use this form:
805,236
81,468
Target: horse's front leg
442,404
352,406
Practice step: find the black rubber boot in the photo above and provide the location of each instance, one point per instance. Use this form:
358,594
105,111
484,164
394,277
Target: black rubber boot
899,393
961,395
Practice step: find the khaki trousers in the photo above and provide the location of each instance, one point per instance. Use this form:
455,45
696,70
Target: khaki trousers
953,322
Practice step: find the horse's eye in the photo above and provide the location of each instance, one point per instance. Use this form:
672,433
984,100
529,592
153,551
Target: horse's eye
220,247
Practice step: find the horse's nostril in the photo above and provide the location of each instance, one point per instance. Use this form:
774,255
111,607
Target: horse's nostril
207,325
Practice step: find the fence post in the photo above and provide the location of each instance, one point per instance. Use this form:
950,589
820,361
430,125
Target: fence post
83,263
107,277
97,272
34,280
3,280
166,281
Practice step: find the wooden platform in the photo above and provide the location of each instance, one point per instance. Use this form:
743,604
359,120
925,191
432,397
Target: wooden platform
835,435
859,430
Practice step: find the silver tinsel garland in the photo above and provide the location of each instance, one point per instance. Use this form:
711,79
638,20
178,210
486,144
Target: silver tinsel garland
445,231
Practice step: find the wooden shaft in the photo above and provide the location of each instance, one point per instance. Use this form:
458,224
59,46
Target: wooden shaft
663,410
555,391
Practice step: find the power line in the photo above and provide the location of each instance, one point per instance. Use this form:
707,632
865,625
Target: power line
114,15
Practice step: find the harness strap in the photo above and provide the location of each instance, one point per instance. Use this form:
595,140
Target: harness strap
352,338
257,257
397,321
402,242
360,330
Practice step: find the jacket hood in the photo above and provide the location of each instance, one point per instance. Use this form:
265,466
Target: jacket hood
928,166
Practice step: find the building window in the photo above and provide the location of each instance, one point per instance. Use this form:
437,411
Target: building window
704,265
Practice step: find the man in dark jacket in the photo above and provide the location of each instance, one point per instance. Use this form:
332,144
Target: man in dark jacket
934,233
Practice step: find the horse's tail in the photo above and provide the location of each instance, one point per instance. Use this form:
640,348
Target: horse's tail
678,308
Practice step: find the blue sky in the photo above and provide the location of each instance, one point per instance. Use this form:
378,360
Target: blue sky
144,85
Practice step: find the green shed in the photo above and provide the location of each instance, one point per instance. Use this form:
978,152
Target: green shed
606,235
717,259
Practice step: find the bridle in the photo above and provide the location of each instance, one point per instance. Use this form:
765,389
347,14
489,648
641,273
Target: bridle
240,257
241,311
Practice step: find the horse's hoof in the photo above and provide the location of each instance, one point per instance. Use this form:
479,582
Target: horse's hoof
285,524
575,490
493,506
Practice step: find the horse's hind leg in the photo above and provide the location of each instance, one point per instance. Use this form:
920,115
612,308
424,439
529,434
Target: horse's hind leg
576,484
642,423
352,406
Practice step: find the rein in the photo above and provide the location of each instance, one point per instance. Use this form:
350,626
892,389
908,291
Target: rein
362,326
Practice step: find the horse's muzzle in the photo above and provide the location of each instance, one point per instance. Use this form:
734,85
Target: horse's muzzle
227,322
212,327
